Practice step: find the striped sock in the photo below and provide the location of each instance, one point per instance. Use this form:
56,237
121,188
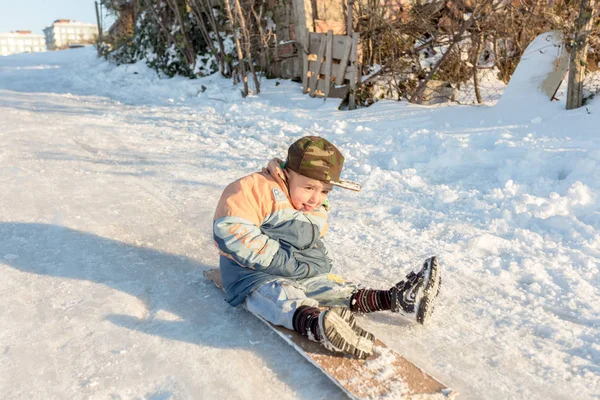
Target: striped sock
306,320
368,300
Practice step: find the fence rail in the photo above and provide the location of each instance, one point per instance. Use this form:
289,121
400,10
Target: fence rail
330,66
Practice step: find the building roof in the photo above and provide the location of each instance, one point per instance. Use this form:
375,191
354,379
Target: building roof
71,22
20,34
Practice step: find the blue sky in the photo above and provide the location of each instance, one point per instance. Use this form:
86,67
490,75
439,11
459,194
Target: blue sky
35,15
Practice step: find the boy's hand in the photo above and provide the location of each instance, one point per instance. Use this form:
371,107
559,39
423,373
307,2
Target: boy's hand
299,234
285,264
293,263
315,258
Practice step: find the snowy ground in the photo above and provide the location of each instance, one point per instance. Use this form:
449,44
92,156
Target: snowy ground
110,177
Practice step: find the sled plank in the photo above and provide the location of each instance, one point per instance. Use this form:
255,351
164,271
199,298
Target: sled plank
551,84
385,374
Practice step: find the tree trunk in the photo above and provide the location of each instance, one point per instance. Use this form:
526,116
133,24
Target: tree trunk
579,55
167,34
475,16
207,9
264,38
418,95
238,46
189,52
203,28
248,46
478,37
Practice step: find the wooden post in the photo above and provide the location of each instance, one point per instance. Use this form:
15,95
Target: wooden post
316,70
349,22
578,60
305,63
98,22
339,77
355,75
328,55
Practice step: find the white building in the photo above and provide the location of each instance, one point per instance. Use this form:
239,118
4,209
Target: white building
21,42
64,33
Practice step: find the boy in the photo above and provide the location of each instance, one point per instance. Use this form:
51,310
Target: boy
269,228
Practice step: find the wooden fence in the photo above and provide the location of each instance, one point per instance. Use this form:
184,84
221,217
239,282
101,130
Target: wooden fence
330,66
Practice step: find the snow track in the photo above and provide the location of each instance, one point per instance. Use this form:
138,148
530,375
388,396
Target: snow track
109,181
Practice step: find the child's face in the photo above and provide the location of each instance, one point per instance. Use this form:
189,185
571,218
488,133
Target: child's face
306,193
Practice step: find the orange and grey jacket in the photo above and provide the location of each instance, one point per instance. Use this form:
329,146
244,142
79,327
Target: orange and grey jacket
261,237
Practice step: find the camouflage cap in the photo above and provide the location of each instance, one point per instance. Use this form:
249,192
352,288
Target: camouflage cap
316,158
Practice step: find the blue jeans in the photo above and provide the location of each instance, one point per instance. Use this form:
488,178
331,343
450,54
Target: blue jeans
277,301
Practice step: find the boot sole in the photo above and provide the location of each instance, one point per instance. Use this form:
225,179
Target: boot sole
343,335
433,278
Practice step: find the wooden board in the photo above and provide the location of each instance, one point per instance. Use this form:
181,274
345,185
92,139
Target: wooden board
551,84
316,68
386,374
328,61
330,67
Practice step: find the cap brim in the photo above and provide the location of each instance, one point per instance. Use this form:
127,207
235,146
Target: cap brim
347,185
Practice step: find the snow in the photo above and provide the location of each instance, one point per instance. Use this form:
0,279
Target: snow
109,182
538,60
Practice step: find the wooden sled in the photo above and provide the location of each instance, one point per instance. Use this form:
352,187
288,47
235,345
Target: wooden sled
385,374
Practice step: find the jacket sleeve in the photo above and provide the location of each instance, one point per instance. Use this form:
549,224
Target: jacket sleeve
244,242
237,234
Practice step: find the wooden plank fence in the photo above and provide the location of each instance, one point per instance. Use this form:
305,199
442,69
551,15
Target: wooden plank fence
330,67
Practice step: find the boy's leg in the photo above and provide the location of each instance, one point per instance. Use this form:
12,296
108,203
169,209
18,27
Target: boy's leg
414,296
283,303
330,290
277,301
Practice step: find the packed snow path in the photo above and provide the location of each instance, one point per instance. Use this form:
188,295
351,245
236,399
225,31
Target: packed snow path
110,177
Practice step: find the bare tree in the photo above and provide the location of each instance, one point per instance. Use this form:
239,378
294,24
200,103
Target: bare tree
578,59
248,44
478,38
238,46
188,49
206,8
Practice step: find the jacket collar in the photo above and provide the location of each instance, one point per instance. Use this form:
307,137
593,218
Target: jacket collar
274,170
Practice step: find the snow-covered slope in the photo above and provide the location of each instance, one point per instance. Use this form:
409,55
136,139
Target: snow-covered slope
109,181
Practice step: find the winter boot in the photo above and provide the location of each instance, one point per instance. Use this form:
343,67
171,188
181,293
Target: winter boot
416,294
335,328
339,333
